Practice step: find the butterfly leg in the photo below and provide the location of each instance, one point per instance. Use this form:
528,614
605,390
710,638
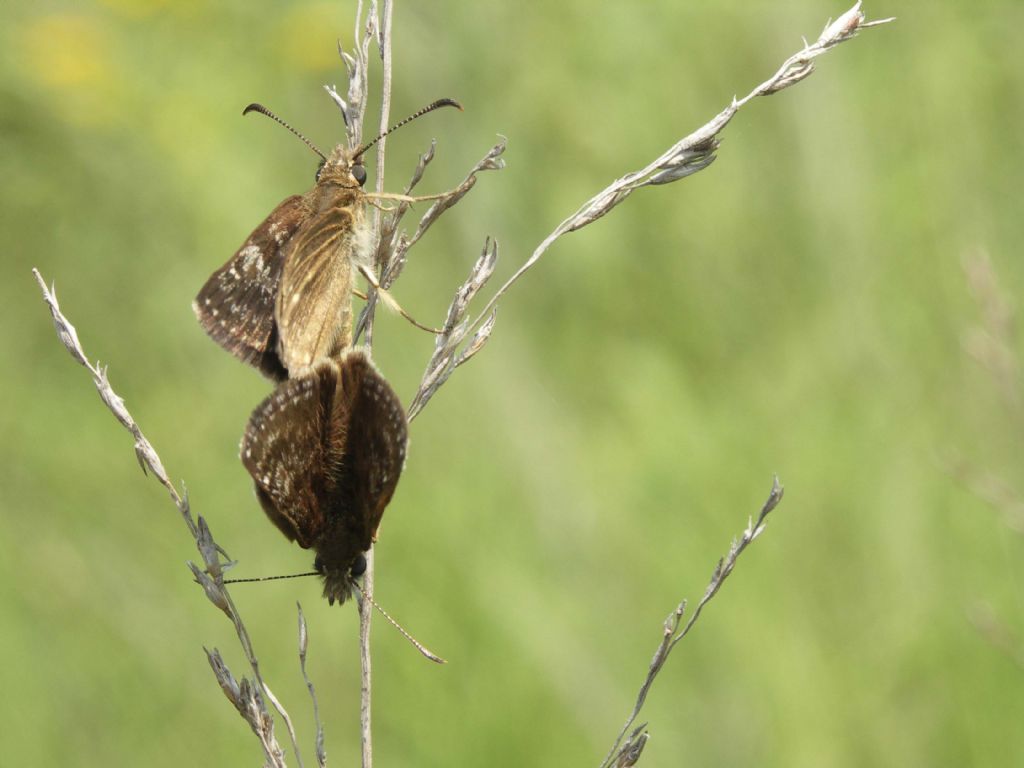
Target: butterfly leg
390,302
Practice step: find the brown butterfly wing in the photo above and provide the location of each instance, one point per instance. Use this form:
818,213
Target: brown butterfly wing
236,305
314,303
288,450
374,448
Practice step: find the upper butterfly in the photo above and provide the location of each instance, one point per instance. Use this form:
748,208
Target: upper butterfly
282,302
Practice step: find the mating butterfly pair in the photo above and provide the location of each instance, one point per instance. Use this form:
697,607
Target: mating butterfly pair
327,447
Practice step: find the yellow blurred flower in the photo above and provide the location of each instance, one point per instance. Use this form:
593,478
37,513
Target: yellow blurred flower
308,36
70,55
65,51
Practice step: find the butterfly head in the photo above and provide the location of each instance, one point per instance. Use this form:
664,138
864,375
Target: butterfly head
342,168
339,579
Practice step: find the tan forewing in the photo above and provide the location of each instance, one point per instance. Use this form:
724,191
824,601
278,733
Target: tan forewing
314,302
236,305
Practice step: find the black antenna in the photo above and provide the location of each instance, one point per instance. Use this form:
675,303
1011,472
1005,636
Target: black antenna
429,108
270,578
264,111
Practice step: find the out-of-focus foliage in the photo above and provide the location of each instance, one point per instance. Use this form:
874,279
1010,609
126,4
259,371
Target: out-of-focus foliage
798,308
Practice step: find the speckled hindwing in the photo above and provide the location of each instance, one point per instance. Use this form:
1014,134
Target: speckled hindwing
288,450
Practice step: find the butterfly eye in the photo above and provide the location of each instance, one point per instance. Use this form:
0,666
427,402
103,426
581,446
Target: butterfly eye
359,174
359,566
320,169
318,565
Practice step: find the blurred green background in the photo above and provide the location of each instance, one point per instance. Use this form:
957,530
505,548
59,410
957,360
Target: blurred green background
800,308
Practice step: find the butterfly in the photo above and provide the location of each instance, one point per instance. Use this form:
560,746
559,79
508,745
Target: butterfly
283,301
325,451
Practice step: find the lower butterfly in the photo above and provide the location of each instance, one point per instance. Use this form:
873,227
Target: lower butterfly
325,451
